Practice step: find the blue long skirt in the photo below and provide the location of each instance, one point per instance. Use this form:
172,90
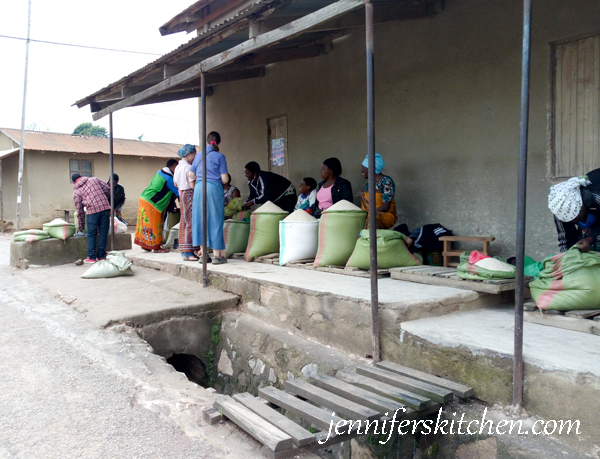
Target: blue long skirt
215,214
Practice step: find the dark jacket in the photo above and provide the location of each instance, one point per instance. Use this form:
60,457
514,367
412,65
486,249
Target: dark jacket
268,187
341,189
119,196
568,233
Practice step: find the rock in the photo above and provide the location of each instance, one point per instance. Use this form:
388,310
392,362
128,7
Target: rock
309,370
79,262
23,263
482,449
224,366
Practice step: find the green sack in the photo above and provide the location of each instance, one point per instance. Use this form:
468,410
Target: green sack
474,271
241,216
59,229
338,232
391,251
569,281
264,234
533,268
30,236
115,265
233,207
236,236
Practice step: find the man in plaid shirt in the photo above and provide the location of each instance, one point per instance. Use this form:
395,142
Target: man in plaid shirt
93,194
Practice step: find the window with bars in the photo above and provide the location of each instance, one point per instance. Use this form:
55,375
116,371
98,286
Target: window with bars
576,107
82,167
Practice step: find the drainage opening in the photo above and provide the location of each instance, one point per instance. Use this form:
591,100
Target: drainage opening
192,367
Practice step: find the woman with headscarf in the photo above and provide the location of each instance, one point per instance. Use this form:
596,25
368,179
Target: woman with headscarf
385,189
332,188
153,205
186,196
216,176
575,204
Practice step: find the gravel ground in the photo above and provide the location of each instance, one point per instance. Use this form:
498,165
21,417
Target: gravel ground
69,390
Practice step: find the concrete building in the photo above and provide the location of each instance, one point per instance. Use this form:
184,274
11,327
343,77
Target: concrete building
50,160
447,85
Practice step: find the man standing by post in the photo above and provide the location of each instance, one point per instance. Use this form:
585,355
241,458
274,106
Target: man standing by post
93,194
119,198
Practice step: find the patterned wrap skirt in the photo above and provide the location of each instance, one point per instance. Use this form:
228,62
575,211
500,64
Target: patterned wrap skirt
186,198
384,220
215,214
149,229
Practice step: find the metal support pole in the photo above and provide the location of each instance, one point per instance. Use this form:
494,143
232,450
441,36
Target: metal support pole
370,43
203,142
112,185
521,209
21,146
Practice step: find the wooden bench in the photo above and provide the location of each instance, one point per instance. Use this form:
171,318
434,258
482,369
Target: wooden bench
448,252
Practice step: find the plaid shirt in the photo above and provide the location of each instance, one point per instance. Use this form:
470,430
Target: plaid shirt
92,193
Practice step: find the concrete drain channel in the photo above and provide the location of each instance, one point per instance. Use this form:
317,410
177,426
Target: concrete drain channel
192,367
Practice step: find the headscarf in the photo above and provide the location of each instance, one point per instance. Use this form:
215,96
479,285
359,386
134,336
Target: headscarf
565,198
335,166
379,163
186,150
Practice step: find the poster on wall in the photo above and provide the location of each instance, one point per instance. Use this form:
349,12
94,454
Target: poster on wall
278,151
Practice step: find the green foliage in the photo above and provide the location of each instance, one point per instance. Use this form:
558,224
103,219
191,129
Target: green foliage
88,129
209,358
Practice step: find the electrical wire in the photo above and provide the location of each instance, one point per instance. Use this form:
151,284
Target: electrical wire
81,46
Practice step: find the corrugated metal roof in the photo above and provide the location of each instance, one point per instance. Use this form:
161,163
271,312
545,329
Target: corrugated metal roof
172,57
51,141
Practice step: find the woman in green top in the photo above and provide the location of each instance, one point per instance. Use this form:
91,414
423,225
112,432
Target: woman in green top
153,203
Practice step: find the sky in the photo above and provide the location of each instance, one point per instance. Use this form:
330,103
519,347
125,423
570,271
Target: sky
58,75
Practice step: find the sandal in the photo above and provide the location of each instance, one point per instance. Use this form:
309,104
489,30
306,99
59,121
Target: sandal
208,261
219,260
194,258
161,251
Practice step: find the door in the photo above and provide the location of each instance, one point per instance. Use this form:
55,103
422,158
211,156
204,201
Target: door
278,145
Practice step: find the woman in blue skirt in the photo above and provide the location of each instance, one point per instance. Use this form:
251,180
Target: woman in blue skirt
216,176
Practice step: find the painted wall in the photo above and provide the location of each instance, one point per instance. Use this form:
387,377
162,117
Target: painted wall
47,185
447,115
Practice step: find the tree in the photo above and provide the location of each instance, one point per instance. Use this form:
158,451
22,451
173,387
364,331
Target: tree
90,130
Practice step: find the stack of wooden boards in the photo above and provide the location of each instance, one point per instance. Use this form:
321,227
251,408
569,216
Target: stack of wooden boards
436,275
366,394
584,320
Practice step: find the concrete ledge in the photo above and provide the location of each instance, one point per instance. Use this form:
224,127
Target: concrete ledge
562,375
331,308
54,252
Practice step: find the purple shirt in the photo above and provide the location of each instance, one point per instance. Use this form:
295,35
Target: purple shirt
216,164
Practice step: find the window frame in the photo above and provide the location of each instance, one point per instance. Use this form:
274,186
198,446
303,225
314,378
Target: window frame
80,170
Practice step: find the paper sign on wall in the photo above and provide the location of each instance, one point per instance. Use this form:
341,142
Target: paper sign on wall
278,151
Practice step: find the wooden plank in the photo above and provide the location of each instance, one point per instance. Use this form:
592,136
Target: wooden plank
340,405
211,416
414,401
254,425
567,323
455,283
436,393
432,271
411,268
357,394
286,32
305,410
299,435
467,238
552,312
583,314
460,390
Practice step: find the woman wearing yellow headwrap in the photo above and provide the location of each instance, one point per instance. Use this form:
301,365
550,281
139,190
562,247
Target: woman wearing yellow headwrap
385,189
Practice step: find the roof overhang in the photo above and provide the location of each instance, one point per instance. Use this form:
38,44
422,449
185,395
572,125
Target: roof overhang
229,55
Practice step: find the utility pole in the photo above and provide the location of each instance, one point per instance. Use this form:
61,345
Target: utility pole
21,149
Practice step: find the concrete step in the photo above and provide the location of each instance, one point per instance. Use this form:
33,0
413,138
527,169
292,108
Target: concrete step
333,309
476,348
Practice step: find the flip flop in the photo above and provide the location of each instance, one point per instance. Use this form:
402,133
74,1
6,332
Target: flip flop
191,259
